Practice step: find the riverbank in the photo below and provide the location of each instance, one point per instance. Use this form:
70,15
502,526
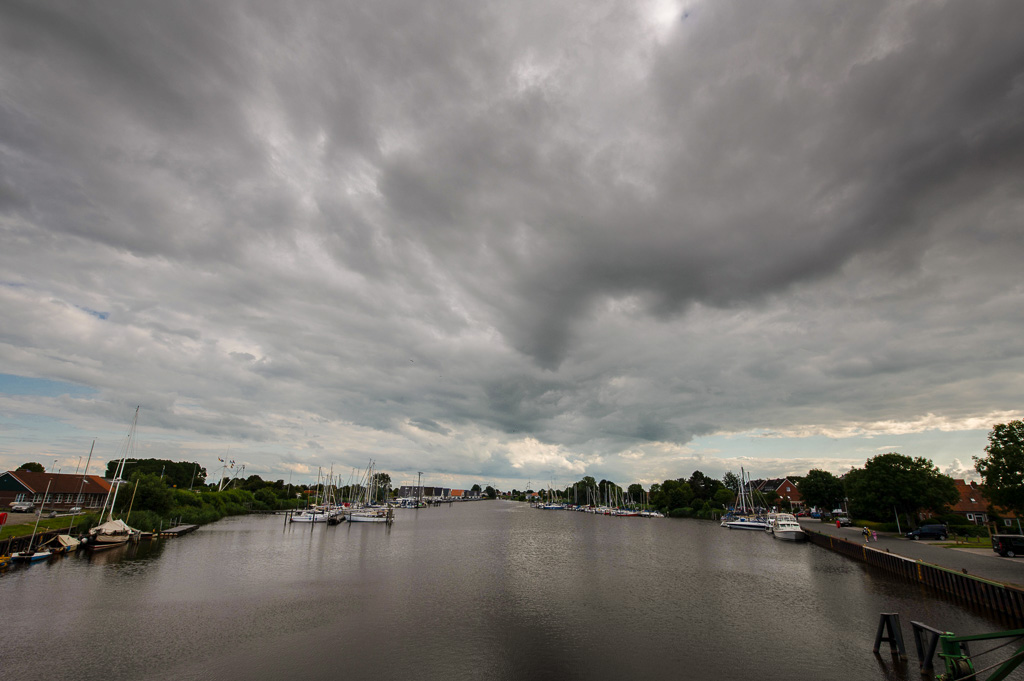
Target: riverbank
986,564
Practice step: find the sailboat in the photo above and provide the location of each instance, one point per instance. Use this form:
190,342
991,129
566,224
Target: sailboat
745,517
40,553
115,532
369,513
65,542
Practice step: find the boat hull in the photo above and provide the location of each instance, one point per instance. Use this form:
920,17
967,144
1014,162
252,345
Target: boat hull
101,542
367,519
747,525
789,535
26,557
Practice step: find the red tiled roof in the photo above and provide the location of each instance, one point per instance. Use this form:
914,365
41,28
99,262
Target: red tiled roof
61,483
972,497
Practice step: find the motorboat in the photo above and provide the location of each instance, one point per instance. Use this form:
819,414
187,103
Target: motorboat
786,526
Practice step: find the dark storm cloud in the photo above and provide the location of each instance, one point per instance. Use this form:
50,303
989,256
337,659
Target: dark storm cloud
512,237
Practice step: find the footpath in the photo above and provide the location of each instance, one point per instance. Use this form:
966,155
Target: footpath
984,563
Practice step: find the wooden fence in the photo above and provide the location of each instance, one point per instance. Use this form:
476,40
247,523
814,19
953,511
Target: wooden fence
991,597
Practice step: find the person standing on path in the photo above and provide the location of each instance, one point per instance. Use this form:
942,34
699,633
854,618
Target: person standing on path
838,524
867,535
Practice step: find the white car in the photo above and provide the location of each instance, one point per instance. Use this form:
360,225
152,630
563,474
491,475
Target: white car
22,506
75,509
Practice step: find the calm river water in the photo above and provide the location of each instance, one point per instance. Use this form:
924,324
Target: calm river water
491,589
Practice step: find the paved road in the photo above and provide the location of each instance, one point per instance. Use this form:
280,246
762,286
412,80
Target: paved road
984,563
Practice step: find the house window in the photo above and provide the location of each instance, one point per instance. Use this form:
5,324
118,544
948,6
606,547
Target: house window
970,516
1006,522
787,488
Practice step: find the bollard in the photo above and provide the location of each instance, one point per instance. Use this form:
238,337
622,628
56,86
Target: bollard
890,622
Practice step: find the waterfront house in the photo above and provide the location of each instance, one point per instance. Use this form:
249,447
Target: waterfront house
784,487
66,490
972,504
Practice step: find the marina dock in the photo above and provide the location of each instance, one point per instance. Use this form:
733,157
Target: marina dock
178,531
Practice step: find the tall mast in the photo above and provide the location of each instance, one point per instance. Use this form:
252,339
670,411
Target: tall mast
39,515
128,445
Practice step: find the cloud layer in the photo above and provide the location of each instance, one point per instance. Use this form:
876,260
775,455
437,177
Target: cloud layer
510,241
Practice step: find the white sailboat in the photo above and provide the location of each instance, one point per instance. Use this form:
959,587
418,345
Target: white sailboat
745,516
39,553
366,511
115,532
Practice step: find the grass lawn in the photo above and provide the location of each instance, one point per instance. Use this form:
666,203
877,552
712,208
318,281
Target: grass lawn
25,529
968,542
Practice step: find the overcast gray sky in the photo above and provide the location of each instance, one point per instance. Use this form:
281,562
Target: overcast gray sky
511,242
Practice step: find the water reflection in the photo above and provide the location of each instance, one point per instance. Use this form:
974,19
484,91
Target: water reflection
486,588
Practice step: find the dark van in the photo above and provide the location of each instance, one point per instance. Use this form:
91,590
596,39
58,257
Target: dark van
1009,545
929,532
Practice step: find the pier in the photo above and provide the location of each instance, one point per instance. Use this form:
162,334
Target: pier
178,530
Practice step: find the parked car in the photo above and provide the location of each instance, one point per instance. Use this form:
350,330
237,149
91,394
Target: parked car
75,510
929,532
1009,545
22,506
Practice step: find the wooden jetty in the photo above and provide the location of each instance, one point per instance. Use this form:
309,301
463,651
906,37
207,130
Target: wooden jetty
178,530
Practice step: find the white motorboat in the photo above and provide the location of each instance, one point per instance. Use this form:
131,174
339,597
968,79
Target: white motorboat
786,526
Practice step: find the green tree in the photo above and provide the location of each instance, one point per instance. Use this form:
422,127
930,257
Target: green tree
474,488
723,497
490,492
636,492
381,483
32,467
894,481
821,489
701,485
266,496
731,481
145,492
174,473
1002,470
676,494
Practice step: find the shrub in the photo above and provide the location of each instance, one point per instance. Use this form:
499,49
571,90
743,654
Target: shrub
147,521
950,519
968,530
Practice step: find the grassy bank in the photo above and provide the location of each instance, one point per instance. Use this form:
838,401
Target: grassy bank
45,524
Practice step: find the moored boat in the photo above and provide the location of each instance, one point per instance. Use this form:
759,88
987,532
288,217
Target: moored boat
31,556
110,534
375,515
786,526
747,523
